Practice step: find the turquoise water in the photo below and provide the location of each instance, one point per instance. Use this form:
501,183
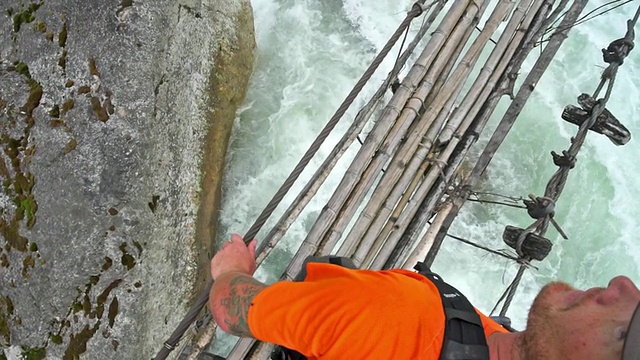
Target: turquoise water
309,57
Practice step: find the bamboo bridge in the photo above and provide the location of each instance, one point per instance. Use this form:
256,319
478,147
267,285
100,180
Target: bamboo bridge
405,186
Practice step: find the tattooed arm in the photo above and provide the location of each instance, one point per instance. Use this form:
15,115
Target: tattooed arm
230,299
234,288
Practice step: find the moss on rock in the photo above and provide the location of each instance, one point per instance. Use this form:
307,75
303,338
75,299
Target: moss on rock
228,84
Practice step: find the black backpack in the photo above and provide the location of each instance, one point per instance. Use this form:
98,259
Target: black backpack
464,337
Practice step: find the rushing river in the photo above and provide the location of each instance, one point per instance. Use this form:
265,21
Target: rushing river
310,54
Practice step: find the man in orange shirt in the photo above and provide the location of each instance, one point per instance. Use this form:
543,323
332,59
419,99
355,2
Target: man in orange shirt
339,313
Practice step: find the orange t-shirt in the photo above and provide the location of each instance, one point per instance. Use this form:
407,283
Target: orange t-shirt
339,313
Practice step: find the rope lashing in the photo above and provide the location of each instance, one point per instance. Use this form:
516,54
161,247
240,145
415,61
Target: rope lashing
543,208
539,207
617,51
566,159
523,236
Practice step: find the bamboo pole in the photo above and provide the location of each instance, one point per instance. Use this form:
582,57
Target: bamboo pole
367,231
393,238
489,76
203,340
433,229
537,23
428,92
460,75
384,224
395,202
510,116
391,141
384,123
355,235
363,116
432,201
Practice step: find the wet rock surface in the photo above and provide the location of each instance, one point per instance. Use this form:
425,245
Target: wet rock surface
108,110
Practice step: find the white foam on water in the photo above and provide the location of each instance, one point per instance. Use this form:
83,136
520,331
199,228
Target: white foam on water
310,54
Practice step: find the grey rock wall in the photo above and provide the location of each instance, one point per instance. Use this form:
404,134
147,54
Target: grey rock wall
107,110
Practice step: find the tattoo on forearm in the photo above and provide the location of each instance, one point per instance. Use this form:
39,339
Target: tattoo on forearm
241,293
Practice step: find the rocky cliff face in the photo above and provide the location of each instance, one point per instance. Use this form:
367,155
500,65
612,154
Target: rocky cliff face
114,121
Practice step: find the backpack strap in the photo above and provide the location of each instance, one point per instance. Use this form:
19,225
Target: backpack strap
504,321
326,259
464,337
282,353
